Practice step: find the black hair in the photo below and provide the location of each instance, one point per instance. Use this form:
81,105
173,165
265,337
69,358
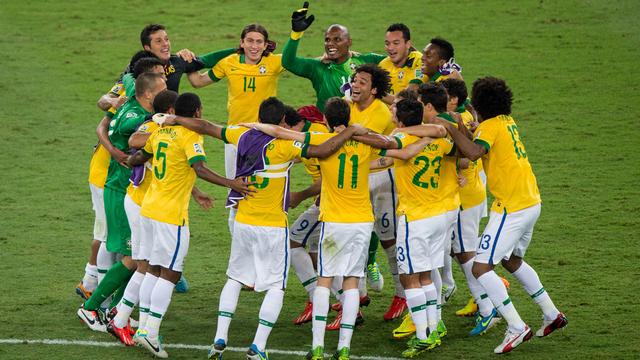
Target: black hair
145,65
165,100
291,116
145,82
408,94
406,33
187,104
409,112
457,88
337,112
491,97
445,49
433,94
145,35
380,79
271,45
137,56
271,111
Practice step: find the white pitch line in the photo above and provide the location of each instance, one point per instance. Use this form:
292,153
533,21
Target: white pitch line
169,346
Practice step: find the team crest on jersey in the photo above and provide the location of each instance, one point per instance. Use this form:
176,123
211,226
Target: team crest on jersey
399,136
352,66
298,144
400,75
197,148
262,69
131,115
168,70
271,146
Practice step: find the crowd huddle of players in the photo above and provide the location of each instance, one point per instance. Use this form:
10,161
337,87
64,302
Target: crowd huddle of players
398,155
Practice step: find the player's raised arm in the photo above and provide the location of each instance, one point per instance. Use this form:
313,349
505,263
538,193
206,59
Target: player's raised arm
410,150
426,130
277,131
333,144
290,61
465,146
200,126
379,141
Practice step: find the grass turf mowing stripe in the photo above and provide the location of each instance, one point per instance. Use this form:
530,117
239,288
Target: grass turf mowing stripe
168,346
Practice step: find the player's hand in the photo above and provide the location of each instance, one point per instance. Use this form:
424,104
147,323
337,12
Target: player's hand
299,20
186,55
463,163
462,181
205,201
164,119
295,198
359,129
117,102
126,162
121,157
473,125
241,185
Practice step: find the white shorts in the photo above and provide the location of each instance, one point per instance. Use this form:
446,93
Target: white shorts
306,230
383,201
259,256
465,234
451,221
230,154
100,222
343,248
133,216
170,245
146,238
507,234
419,244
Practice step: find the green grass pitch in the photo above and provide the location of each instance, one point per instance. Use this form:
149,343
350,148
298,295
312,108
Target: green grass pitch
572,66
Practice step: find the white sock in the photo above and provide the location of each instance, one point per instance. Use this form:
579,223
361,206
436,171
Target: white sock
500,298
227,306
303,266
350,307
416,300
269,312
431,297
144,298
160,300
320,311
447,272
531,283
437,282
362,285
90,279
336,287
393,267
104,260
129,300
485,306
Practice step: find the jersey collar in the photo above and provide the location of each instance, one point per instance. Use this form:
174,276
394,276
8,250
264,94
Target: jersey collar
446,116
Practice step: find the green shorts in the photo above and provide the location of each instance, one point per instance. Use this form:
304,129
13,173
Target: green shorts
118,230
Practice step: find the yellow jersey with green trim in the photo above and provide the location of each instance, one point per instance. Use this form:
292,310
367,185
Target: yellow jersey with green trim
449,173
249,84
265,206
509,174
99,166
344,195
311,165
117,90
436,78
136,193
474,192
409,73
376,117
418,179
174,150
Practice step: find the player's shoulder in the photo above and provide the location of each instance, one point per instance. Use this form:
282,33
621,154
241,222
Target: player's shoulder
318,128
381,107
386,63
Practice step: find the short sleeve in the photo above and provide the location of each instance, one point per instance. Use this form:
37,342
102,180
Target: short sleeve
403,140
218,71
315,138
148,127
148,146
231,134
194,148
484,135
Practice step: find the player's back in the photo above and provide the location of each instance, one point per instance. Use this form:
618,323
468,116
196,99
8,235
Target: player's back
174,150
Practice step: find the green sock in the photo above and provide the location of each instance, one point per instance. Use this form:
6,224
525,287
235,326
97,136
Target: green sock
120,292
373,248
112,280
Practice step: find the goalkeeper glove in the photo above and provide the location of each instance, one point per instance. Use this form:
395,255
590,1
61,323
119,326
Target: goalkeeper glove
299,20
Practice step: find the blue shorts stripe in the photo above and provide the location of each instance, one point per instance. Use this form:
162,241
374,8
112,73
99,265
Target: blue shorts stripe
393,205
306,237
460,233
175,253
406,244
495,241
286,258
320,248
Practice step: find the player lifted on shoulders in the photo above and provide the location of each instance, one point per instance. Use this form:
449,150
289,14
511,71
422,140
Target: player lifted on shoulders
514,212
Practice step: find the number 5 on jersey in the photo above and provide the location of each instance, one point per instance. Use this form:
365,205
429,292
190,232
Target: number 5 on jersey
160,154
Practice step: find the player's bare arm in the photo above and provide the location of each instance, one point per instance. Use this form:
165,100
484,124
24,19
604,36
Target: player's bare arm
378,141
202,198
426,130
465,146
138,139
297,197
410,150
332,145
139,158
239,184
103,136
200,126
199,80
276,131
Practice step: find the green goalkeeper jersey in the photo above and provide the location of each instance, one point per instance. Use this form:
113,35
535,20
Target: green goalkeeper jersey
328,79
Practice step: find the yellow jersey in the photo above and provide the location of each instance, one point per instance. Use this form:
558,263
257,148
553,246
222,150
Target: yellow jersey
312,166
265,207
449,173
344,195
509,173
248,84
99,166
175,149
474,192
376,117
117,90
409,73
436,78
418,179
136,193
